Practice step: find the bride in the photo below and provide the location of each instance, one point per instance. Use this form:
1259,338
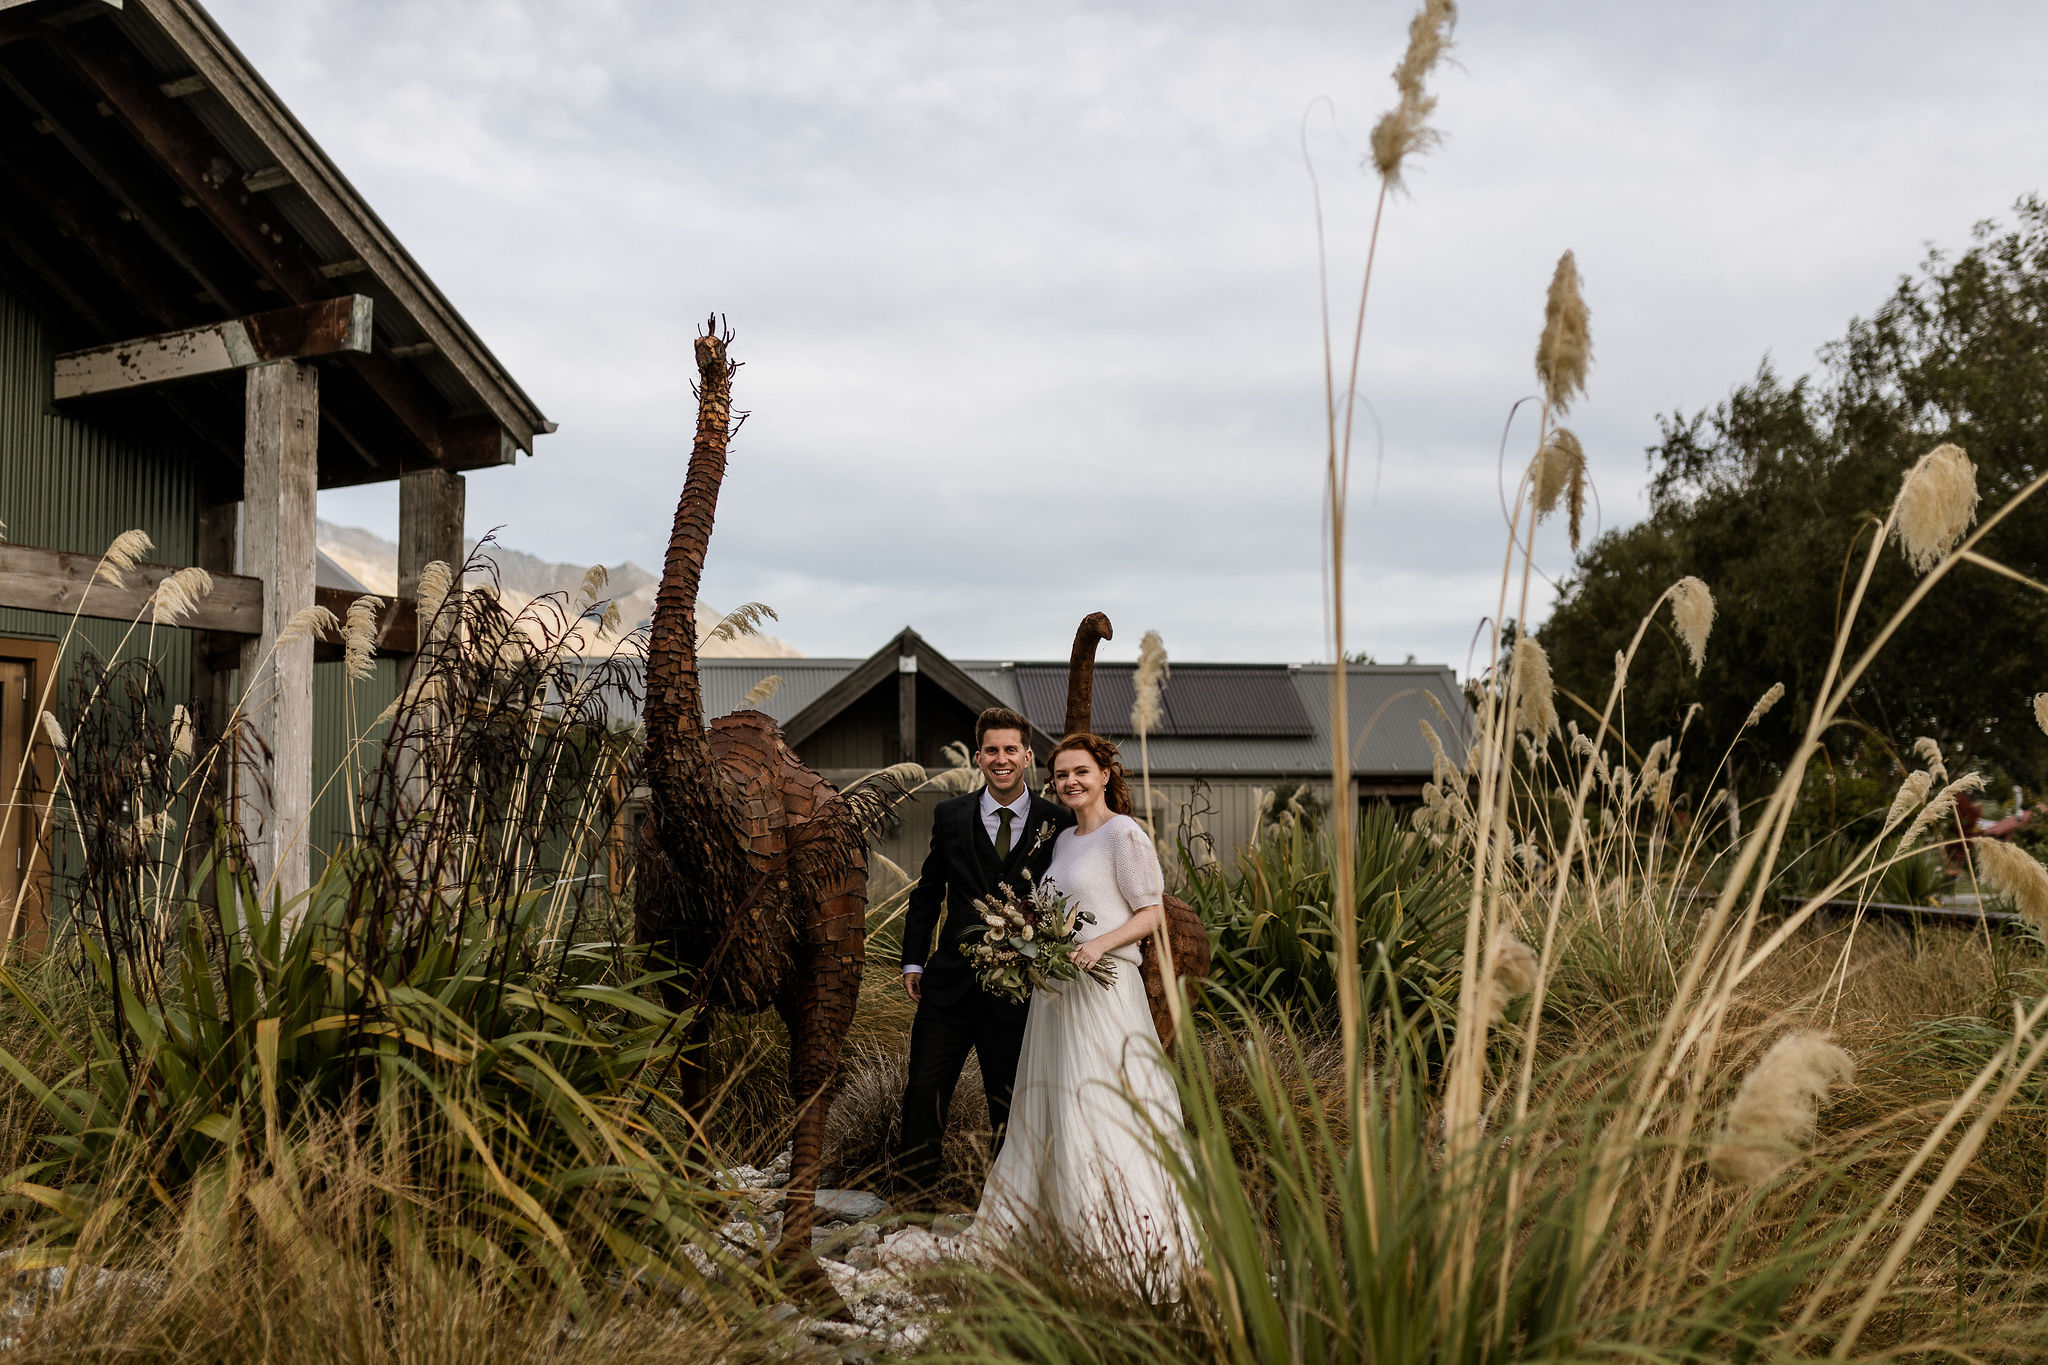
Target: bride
1093,1099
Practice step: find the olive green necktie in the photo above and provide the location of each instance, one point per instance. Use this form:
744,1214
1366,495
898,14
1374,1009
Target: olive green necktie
1004,815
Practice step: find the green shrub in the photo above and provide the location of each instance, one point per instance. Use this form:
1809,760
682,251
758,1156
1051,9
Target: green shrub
1274,934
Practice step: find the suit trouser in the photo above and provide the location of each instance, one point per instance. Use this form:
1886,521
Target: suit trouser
940,1039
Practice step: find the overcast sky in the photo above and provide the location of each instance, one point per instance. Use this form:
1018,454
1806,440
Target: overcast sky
1027,293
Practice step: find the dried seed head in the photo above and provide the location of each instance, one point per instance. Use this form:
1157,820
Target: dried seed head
1777,1107
309,624
435,580
1560,466
1536,699
758,695
1404,130
182,732
744,619
1146,686
594,579
124,554
1566,347
178,595
1692,611
608,624
1940,808
2014,874
359,638
1936,504
1771,697
2041,710
1928,752
1440,763
1911,793
1514,974
54,733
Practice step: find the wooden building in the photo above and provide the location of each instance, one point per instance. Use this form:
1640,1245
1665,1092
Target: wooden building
202,323
1229,734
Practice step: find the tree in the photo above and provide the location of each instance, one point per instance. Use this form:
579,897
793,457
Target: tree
1771,498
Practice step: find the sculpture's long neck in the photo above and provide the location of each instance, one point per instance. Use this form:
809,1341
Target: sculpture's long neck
1081,681
677,744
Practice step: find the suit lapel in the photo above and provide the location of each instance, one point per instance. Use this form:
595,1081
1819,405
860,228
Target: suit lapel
984,848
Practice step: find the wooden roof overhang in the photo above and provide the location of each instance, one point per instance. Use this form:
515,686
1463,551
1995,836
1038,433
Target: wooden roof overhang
908,654
151,182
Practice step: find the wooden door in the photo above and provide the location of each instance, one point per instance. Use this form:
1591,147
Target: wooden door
16,782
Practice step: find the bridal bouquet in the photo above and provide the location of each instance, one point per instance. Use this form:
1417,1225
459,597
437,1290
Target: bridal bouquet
1028,941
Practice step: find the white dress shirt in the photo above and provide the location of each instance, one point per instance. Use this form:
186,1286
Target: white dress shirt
993,823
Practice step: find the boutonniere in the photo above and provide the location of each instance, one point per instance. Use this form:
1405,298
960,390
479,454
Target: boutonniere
1045,831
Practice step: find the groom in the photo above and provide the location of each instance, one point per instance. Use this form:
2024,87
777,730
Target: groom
979,841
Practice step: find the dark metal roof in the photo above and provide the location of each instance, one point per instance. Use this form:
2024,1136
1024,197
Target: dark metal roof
1197,700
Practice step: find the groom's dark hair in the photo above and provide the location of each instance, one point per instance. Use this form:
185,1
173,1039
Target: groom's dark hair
1000,718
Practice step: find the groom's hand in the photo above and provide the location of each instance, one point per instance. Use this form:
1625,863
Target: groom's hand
913,986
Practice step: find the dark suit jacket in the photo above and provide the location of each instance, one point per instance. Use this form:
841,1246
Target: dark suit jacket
961,867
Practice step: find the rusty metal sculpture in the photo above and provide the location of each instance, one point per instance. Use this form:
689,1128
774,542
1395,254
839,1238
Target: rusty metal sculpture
753,868
1186,936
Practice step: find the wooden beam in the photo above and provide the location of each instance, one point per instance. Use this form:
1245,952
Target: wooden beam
432,505
906,708
329,327
476,443
59,581
280,475
79,132
78,219
179,143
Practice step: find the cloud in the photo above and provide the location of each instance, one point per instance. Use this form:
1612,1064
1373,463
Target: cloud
1028,294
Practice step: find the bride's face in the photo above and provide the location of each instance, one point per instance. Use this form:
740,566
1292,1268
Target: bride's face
1078,779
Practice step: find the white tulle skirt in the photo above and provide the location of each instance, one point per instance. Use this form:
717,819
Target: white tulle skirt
1093,1110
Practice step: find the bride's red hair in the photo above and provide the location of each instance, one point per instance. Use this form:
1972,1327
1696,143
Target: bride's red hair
1117,792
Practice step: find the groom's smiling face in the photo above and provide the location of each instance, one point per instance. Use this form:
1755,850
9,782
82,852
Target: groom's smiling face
1005,760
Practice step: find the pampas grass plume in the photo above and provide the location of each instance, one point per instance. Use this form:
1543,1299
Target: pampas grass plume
1777,1106
2015,874
1771,697
758,695
1936,504
1566,347
435,580
124,554
1536,698
306,625
1941,806
178,595
359,638
1928,752
1404,130
594,579
744,619
2041,710
1560,466
54,733
1911,793
1514,974
1147,684
1692,611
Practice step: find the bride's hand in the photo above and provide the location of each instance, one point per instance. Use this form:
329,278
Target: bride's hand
1086,955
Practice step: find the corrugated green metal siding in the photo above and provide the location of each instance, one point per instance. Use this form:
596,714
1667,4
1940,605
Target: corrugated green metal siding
68,485
342,714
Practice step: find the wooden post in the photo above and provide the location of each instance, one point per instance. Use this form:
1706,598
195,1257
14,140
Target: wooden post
280,476
430,513
217,541
906,708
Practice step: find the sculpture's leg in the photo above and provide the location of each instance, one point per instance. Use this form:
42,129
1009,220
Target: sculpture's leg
692,1069
819,1010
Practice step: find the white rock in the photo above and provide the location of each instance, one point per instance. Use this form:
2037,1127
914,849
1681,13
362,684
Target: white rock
907,1249
851,1206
